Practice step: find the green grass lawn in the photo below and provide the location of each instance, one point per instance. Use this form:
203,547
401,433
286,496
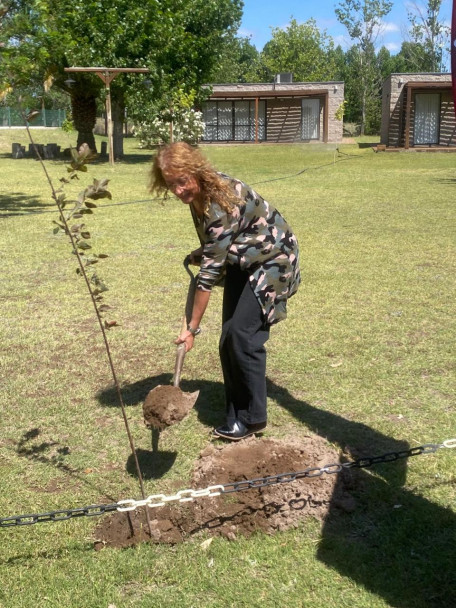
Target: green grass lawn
365,360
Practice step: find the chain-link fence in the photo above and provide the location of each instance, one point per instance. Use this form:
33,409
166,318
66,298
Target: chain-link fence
9,117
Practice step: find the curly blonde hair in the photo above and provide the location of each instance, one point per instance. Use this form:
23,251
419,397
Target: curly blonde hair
187,160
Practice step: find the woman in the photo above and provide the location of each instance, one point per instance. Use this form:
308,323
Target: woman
248,243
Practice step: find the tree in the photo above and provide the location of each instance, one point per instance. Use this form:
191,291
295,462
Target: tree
386,63
413,57
430,32
237,60
353,90
33,55
178,40
301,49
363,18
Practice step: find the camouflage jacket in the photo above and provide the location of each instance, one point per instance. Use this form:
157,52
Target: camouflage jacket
257,238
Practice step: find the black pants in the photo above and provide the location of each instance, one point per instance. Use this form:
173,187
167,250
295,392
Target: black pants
242,351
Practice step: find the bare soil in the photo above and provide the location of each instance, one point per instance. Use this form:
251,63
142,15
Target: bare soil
269,509
167,405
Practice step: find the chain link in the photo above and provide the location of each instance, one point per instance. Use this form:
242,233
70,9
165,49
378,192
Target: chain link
160,500
36,518
362,463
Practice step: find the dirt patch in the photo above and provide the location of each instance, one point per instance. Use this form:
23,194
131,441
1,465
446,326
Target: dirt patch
167,405
269,509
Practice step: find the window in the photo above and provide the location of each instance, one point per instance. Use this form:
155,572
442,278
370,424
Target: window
233,120
427,118
310,119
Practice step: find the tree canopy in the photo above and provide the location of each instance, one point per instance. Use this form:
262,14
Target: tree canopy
178,40
429,32
363,19
299,48
237,61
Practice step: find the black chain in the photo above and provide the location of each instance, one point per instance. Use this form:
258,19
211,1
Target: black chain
36,518
330,469
237,486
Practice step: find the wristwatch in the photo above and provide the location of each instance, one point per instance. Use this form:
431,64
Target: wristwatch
194,332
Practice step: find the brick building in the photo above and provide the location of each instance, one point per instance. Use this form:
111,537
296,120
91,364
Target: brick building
418,111
279,112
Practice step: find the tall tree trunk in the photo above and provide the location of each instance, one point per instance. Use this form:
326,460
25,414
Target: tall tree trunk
363,110
118,112
84,109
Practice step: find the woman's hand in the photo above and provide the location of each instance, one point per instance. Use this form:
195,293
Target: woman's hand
187,338
196,256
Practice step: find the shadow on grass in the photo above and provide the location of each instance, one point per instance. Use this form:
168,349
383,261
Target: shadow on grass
395,543
18,203
152,463
363,145
155,463
47,452
137,159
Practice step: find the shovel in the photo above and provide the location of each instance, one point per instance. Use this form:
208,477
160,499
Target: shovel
165,405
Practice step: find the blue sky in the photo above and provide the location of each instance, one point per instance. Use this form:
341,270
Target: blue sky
261,15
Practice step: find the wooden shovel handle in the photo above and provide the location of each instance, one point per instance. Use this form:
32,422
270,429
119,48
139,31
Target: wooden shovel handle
180,354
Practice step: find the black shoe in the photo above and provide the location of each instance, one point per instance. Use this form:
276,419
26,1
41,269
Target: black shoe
238,430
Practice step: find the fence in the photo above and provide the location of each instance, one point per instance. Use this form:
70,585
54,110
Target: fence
10,117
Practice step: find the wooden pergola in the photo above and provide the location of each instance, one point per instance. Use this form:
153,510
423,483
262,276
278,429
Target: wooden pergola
107,75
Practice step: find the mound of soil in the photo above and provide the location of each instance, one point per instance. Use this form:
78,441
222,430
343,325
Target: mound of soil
269,509
166,405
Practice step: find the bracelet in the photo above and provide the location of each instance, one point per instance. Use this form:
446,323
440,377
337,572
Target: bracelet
194,332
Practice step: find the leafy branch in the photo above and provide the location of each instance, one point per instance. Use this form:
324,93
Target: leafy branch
78,231
79,237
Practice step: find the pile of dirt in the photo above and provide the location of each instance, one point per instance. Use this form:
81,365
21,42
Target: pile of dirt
269,509
167,405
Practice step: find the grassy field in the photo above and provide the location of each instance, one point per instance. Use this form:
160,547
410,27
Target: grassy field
365,360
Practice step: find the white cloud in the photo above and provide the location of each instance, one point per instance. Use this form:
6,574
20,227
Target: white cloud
343,41
393,47
244,33
387,27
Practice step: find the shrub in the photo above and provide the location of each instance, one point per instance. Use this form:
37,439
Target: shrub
185,123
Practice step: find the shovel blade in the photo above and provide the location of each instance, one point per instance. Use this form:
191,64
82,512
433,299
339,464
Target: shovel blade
166,405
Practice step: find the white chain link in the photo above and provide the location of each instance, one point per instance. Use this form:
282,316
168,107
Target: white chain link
449,443
159,500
